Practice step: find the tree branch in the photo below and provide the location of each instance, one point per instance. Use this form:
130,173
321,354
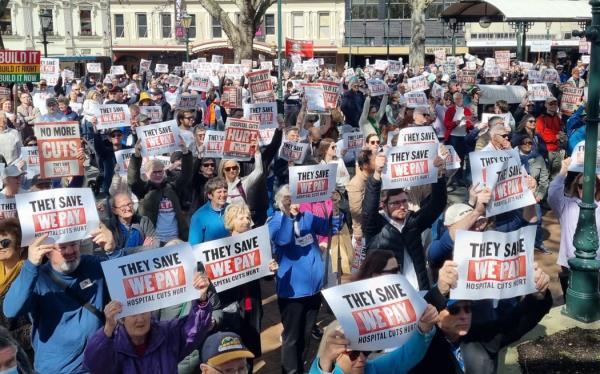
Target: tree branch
261,9
215,10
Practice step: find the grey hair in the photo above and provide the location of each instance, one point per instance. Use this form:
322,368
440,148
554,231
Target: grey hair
457,94
214,184
281,193
111,200
151,164
495,123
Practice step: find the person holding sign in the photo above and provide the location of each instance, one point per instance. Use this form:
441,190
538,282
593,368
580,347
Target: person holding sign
159,198
300,275
139,344
65,294
458,122
399,229
238,187
371,116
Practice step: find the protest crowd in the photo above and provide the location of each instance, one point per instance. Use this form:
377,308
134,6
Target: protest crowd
141,211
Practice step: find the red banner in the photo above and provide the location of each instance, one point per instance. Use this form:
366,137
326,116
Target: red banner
303,48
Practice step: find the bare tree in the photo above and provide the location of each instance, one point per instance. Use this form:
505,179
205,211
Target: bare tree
417,26
3,5
240,35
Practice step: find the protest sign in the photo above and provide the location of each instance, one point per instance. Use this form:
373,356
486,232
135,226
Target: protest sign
490,61
213,144
577,158
20,66
417,135
418,83
410,165
466,77
267,65
8,208
349,72
234,71
540,45
66,214
437,91
493,71
526,65
49,65
94,67
452,159
264,113
294,152
538,92
113,116
485,117
240,138
261,86
152,279
381,65
585,59
236,260
494,265
450,68
154,112
117,70
216,59
550,76
534,76
377,87
584,46
145,65
416,99
161,68
571,99
315,97
330,93
377,313
471,65
312,183
58,144
353,141
492,93
32,160
159,138
394,67
123,156
232,97
174,80
5,92
200,82
187,102
501,172
440,56
502,59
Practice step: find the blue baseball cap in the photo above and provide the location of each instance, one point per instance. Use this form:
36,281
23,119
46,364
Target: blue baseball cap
223,347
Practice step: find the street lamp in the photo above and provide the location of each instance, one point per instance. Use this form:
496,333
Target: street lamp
548,26
454,26
45,20
186,22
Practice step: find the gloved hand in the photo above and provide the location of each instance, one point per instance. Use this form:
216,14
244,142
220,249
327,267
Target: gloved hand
337,222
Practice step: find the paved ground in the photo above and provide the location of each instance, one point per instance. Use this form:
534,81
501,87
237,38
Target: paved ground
269,363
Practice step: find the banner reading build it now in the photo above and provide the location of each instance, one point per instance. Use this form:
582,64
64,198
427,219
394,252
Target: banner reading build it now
19,66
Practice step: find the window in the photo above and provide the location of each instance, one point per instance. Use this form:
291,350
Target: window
366,9
269,24
324,25
50,29
434,10
85,21
217,31
399,9
165,25
297,25
6,23
192,28
142,25
119,26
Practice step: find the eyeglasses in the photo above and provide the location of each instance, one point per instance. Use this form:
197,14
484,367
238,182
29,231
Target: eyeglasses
116,135
505,136
208,165
396,203
455,309
243,370
158,172
333,147
231,168
426,115
5,243
391,271
374,142
190,118
527,143
122,207
531,121
353,355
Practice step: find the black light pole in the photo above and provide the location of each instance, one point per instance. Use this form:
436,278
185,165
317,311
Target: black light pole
388,30
45,20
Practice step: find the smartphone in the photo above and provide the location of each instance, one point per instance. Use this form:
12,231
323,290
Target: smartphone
200,267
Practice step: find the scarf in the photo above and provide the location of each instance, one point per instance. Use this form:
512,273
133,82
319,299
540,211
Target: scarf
6,279
375,127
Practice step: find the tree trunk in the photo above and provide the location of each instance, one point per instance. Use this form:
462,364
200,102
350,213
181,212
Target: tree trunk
417,40
242,47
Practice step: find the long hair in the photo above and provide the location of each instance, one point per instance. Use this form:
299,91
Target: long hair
374,263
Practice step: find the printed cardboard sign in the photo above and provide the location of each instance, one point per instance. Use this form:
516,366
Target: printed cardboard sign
8,208
577,158
236,260
538,91
66,214
240,138
154,112
315,97
418,83
377,87
145,65
353,141
264,113
571,99
113,116
117,70
200,82
123,156
417,135
452,159
502,59
377,313
32,160
58,144
161,68
330,93
213,143
410,165
159,138
232,97
261,86
494,265
312,183
416,99
94,67
152,279
294,152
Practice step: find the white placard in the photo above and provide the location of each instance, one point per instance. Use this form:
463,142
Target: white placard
494,265
550,76
123,156
501,172
452,159
8,208
117,70
538,91
200,82
113,116
264,113
66,214
377,87
492,93
578,155
410,165
377,313
145,65
159,138
417,135
152,279
49,66
58,144
213,143
540,45
188,102
394,67
416,99
312,183
381,65
236,260
32,160
154,112
418,83
315,98
292,151
161,68
216,59
94,67
353,141
534,76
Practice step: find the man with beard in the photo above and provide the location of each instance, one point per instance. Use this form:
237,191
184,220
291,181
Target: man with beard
63,298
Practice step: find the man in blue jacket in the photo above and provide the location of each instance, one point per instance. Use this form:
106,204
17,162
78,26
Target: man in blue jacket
207,222
63,299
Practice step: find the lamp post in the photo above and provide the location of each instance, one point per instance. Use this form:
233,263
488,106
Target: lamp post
186,22
548,26
583,298
45,20
454,26
279,47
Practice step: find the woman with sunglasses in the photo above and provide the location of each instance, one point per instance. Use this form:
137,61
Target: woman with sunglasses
527,128
371,116
12,258
238,187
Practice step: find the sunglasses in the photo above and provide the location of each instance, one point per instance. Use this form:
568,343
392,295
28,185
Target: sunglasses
188,117
353,355
5,243
391,271
527,143
531,121
505,136
373,142
455,309
426,115
209,165
231,168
